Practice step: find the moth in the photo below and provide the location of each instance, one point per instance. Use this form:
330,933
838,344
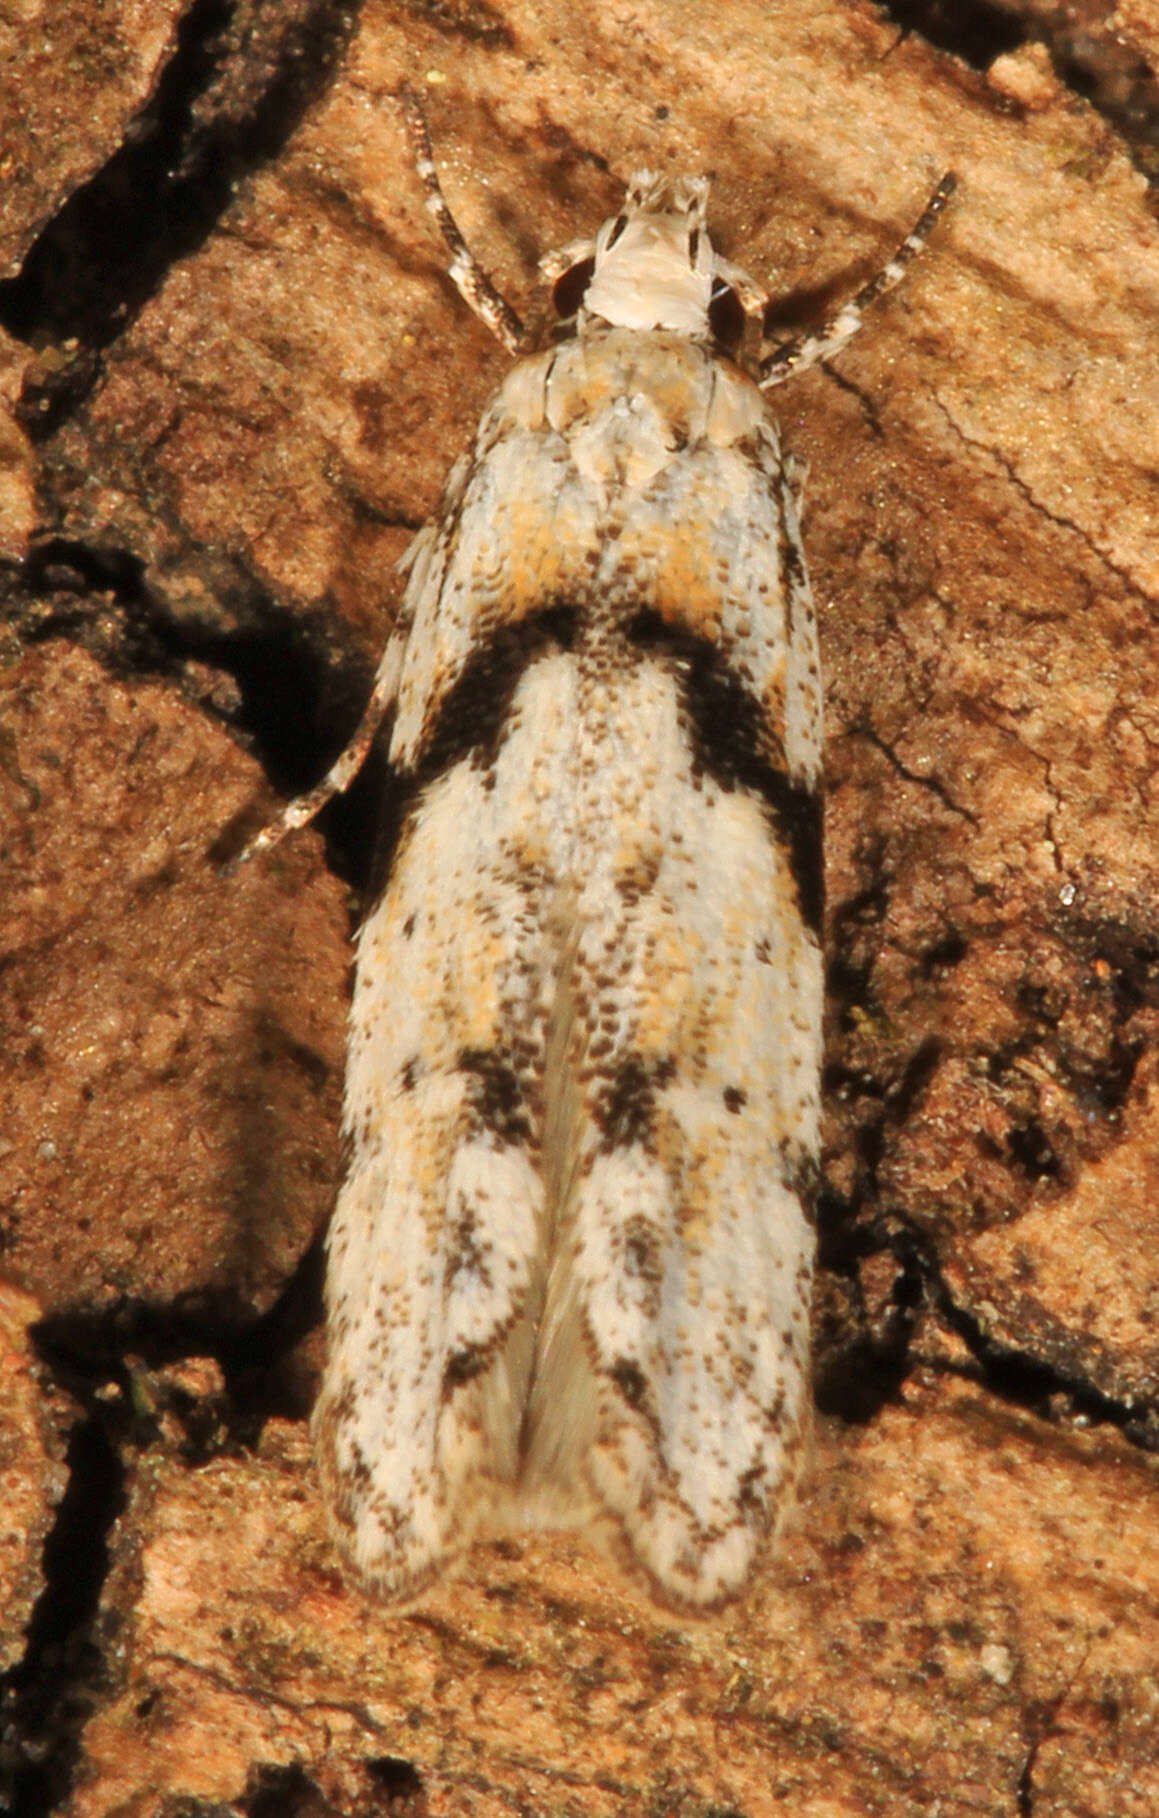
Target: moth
569,1270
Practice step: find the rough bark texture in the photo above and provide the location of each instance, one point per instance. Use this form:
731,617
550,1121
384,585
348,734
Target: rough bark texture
31,1468
233,380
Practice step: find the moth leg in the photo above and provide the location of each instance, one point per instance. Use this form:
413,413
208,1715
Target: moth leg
822,343
345,767
751,297
469,278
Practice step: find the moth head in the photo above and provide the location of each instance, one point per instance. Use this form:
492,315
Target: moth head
650,266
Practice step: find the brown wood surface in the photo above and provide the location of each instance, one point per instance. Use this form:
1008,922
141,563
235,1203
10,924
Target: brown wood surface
224,444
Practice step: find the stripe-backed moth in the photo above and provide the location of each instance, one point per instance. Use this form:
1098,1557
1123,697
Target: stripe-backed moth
569,1270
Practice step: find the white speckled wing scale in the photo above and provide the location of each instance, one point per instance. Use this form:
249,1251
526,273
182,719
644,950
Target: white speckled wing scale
569,1270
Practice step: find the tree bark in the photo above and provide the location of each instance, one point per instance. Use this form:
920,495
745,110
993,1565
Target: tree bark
235,376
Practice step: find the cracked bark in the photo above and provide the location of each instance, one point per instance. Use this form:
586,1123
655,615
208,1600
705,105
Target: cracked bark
227,463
